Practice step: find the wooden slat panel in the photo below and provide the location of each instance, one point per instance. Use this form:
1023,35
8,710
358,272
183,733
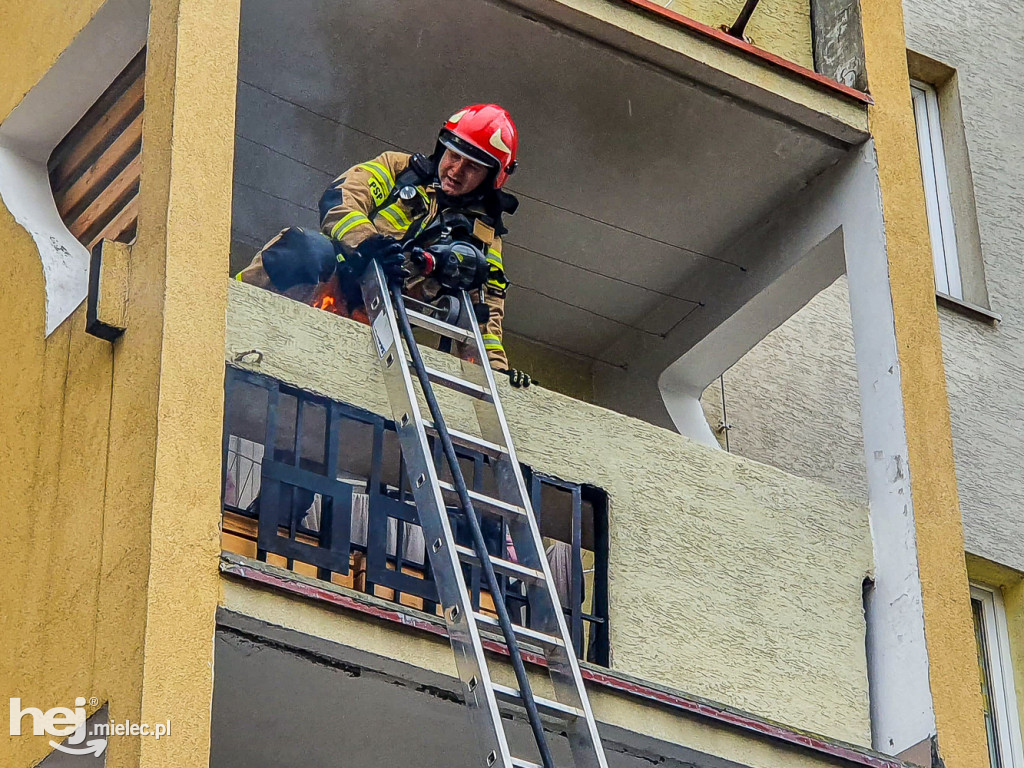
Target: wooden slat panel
119,104
119,225
89,184
237,545
238,536
240,524
101,209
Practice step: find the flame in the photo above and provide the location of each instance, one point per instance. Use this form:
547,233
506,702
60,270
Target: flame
330,298
327,297
326,303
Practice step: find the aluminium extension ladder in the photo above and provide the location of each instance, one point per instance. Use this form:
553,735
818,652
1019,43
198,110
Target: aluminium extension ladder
547,636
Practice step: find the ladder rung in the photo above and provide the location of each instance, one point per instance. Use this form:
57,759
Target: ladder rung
483,503
504,567
524,634
544,706
518,762
457,384
471,442
439,327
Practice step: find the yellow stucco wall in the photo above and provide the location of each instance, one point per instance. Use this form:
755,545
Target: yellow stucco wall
53,423
193,54
34,35
728,579
782,27
111,453
948,625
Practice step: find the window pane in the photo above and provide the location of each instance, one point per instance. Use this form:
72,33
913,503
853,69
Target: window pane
985,673
936,191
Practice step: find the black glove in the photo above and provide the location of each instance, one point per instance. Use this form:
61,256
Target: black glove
386,251
518,378
482,312
298,257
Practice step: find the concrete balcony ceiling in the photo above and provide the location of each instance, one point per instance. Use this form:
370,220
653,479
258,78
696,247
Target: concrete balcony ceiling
633,178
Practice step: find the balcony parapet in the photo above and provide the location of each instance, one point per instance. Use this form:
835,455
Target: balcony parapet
727,578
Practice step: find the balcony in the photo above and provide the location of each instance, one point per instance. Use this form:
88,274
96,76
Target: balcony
650,165
681,195
726,579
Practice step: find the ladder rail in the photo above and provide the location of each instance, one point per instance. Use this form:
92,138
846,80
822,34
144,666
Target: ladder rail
459,481
563,666
463,633
392,325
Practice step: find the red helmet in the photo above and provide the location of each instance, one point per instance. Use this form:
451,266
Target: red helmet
485,134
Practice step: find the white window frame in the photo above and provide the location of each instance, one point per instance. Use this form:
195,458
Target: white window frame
1004,697
936,190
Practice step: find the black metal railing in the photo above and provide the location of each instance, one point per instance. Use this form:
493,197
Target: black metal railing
319,487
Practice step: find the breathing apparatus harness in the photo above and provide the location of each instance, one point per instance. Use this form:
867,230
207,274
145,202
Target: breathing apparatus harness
454,256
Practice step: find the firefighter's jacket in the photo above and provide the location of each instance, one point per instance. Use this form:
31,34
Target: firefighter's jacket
364,201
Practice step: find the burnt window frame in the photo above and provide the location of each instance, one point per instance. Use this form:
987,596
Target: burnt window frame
384,550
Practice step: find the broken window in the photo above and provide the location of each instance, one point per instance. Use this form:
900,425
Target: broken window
319,487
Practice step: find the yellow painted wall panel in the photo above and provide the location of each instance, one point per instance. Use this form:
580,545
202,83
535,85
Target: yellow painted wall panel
55,393
53,511
949,628
33,36
112,452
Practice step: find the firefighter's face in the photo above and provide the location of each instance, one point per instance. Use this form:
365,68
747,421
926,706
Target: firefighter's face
459,175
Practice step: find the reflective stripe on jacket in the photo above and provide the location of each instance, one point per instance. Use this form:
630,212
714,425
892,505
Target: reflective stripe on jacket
351,210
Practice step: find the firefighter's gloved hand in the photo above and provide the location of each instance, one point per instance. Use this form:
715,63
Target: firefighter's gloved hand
388,253
518,378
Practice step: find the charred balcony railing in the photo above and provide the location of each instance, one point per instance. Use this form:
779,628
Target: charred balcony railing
318,486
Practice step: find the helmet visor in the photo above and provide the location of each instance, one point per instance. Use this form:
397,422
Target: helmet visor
460,146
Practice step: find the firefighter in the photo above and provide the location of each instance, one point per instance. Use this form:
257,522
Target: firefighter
399,209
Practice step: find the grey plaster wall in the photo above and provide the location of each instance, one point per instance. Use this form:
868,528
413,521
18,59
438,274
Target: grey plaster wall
804,371
984,367
792,401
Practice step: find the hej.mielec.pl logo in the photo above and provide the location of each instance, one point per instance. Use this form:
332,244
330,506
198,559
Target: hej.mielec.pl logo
62,721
